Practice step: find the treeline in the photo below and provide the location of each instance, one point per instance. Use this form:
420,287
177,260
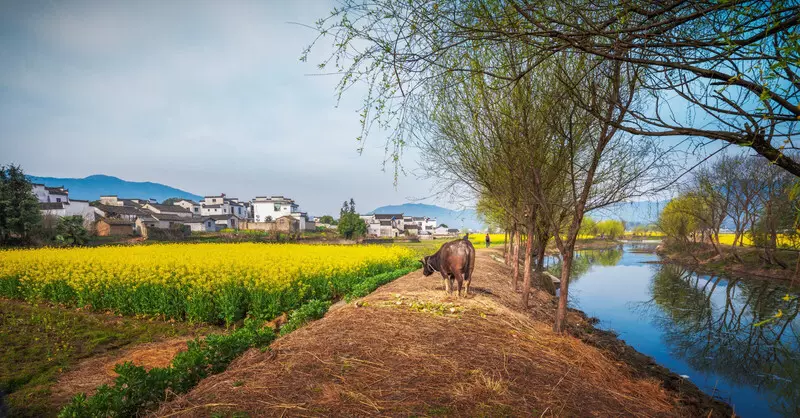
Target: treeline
609,228
547,110
759,200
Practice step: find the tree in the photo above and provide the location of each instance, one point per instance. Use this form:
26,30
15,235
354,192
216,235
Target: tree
676,220
588,227
731,64
350,224
171,200
443,226
19,207
327,219
538,133
610,229
70,231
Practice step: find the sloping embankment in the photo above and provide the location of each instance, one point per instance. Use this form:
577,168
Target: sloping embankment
407,349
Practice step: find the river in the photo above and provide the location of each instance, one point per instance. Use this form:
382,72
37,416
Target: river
725,334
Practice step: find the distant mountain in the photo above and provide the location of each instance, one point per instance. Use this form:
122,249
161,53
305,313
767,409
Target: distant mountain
452,218
644,212
92,187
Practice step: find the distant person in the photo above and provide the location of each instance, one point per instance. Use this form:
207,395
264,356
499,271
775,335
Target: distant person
488,240
466,236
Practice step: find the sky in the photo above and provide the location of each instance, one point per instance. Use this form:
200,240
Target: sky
206,96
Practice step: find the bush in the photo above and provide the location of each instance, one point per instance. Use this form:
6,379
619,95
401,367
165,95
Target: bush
136,390
311,310
70,231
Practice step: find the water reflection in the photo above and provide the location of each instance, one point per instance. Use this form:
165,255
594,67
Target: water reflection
710,322
699,325
584,260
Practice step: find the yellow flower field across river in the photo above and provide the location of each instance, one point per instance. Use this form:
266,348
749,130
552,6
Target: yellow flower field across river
197,282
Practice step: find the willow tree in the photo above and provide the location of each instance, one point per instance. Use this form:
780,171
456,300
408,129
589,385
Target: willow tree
726,71
538,132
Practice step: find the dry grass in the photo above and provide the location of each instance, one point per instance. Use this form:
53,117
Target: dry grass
408,349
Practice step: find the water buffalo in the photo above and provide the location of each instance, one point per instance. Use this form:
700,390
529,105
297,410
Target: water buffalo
454,260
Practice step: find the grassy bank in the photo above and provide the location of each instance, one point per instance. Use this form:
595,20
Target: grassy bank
41,342
749,261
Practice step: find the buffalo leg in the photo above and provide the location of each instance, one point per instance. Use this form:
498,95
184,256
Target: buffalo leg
446,278
466,286
460,280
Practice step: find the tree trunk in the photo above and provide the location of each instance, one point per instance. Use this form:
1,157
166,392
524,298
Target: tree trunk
505,247
541,249
561,313
526,285
515,275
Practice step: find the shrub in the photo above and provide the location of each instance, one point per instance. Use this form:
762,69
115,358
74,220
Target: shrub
136,390
311,310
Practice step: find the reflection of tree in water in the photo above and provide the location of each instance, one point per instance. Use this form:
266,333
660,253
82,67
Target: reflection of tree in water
585,259
720,337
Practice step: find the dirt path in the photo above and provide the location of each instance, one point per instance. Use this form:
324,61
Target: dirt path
408,349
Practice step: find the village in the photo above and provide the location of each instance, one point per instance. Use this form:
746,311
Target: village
112,215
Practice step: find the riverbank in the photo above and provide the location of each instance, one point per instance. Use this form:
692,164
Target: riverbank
408,349
703,259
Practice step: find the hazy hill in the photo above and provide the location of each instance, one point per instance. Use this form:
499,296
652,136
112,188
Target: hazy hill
92,187
452,218
631,212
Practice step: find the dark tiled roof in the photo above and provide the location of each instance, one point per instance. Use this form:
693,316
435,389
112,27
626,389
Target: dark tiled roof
78,200
386,223
57,190
113,221
169,208
221,217
129,203
389,216
169,217
51,206
120,210
187,200
452,230
412,226
195,220
212,206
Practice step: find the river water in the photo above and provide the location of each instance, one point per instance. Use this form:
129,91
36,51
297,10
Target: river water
711,329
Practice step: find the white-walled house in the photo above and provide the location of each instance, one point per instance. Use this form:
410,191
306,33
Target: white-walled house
270,208
55,201
225,221
201,224
191,205
221,205
446,231
266,208
119,212
385,225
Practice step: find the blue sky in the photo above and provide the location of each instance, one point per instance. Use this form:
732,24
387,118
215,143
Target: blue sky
205,96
